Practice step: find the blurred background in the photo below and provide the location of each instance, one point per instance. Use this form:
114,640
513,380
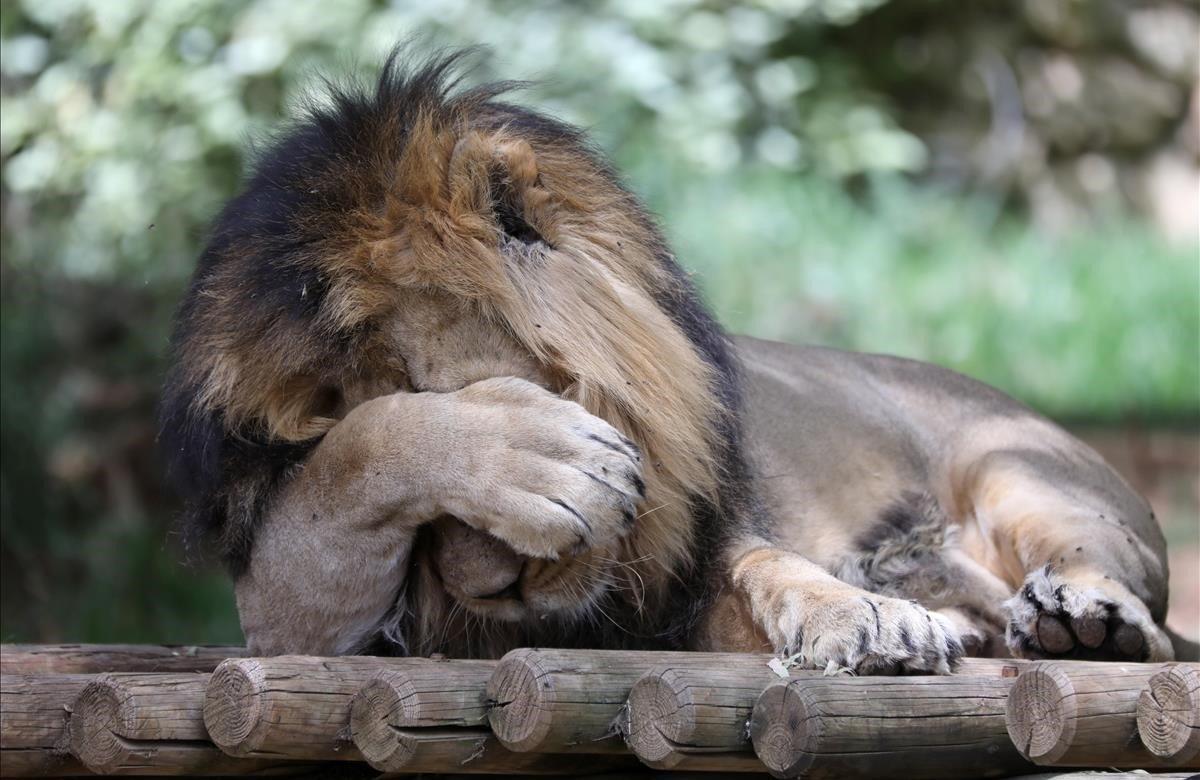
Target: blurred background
1008,188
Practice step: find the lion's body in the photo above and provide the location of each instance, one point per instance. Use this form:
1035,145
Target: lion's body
440,385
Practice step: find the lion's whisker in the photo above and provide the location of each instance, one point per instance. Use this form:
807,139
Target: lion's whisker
655,509
624,584
639,559
640,590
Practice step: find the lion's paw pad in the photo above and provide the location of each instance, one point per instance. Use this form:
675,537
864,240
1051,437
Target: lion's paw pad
1049,617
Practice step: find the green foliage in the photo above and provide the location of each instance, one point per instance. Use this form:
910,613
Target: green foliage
1099,325
123,115
125,126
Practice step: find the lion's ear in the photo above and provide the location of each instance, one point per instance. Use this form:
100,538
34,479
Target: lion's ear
498,179
508,206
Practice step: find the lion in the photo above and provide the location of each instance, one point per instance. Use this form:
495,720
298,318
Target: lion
439,385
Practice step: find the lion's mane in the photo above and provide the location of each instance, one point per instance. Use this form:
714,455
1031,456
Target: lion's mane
367,193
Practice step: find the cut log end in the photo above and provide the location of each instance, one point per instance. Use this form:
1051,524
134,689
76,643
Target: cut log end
522,701
374,714
1040,714
784,734
1168,716
660,717
97,720
232,706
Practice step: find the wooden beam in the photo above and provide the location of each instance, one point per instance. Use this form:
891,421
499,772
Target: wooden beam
885,727
1081,714
94,659
34,712
422,715
1168,715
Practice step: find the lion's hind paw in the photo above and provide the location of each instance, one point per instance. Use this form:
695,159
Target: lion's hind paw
1054,617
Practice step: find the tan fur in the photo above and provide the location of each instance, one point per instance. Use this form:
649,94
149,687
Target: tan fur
826,623
485,454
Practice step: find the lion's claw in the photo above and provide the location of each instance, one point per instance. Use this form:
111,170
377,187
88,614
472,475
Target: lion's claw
868,635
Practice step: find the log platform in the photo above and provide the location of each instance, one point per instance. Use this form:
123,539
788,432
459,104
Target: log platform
72,710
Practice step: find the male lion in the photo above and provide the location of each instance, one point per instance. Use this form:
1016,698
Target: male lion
440,385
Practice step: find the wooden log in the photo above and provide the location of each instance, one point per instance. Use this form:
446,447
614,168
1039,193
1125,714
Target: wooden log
885,727
697,717
568,701
34,711
95,659
1081,714
296,707
425,715
136,723
1168,715
694,717
432,717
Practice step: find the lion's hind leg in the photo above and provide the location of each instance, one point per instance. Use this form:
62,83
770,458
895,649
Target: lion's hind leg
1084,551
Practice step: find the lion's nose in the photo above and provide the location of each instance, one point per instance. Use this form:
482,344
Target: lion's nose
511,591
474,564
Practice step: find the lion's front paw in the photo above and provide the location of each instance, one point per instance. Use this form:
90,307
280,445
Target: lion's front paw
1059,616
868,634
546,477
